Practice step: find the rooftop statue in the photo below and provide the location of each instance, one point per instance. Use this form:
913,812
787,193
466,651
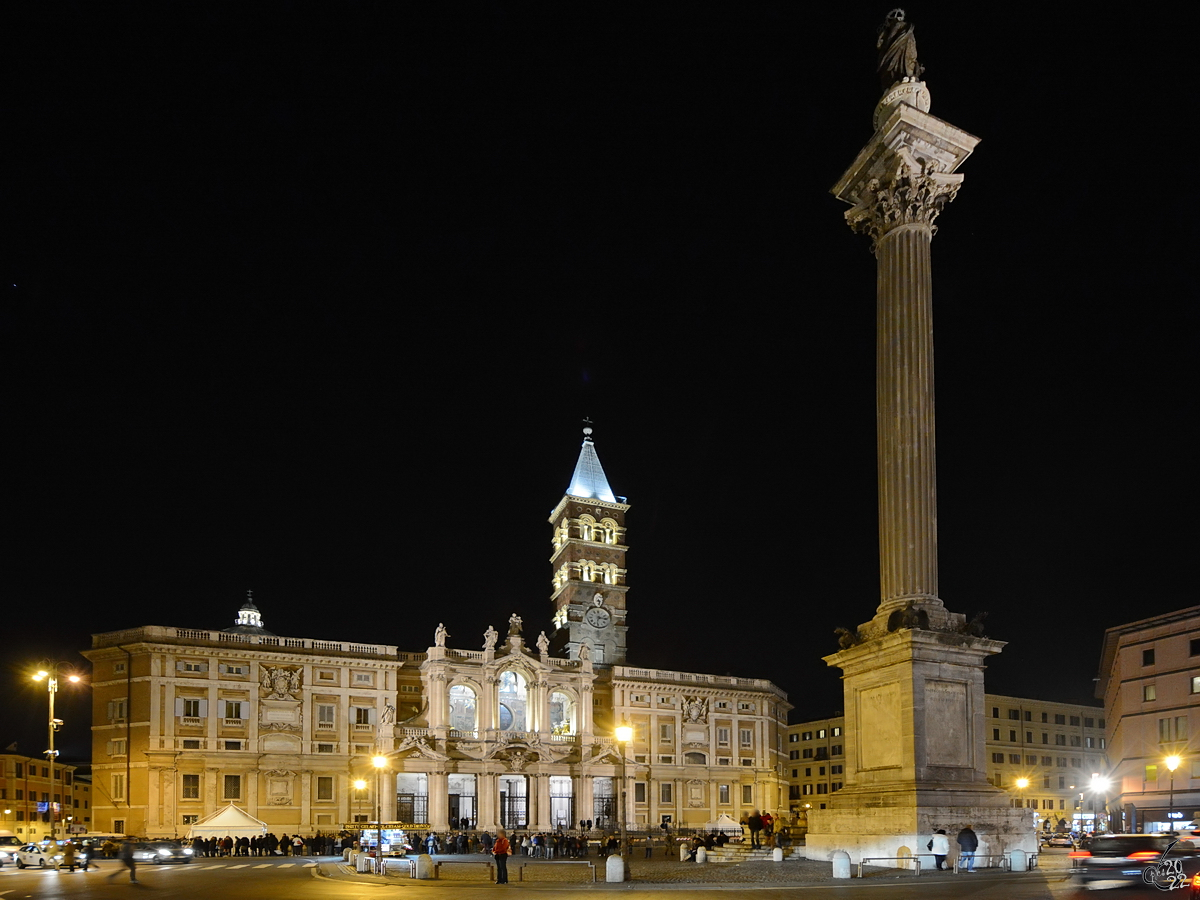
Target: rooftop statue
897,45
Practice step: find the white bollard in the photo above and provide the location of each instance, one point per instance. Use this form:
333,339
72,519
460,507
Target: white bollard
701,856
777,855
684,852
614,869
841,864
425,866
1017,861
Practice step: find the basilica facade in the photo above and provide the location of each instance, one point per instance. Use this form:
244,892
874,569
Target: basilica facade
520,733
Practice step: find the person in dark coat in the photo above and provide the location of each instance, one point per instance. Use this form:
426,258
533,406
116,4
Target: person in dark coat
755,824
968,843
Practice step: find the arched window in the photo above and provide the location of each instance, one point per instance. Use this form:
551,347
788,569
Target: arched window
608,531
587,528
462,708
512,701
693,759
562,713
587,570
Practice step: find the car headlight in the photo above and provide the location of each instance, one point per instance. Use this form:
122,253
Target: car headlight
187,851
163,851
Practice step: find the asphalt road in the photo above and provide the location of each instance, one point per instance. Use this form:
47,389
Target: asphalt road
294,879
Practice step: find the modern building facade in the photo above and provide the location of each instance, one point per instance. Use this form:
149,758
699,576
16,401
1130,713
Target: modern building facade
519,733
30,807
1043,753
1149,680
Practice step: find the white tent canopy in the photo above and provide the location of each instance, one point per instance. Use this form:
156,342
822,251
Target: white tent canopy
725,824
231,820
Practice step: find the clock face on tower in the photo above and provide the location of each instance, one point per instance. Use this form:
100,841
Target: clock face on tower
597,617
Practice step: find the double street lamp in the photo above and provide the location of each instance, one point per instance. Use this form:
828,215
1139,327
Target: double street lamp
49,673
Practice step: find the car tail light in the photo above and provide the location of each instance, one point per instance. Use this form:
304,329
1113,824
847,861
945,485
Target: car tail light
1144,854
1079,854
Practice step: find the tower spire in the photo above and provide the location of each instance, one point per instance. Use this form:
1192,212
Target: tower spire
589,479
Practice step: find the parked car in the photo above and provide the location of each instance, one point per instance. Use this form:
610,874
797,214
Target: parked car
161,852
1058,840
40,855
8,848
1114,860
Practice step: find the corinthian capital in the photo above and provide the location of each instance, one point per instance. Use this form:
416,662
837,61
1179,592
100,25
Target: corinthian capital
906,198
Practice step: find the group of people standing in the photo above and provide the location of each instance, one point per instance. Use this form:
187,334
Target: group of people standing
263,845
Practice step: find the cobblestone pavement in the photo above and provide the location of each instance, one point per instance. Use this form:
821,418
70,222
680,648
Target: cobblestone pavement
793,871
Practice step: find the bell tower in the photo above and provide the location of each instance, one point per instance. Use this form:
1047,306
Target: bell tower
588,561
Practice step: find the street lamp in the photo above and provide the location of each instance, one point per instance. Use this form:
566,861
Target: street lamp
380,762
49,674
1172,764
624,736
1099,785
360,784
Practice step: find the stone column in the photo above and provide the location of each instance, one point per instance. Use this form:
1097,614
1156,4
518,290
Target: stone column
487,793
439,801
541,809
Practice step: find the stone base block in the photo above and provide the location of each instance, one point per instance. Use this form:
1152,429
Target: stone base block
895,835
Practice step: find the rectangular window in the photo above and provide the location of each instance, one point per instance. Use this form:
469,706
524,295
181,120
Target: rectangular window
1151,773
116,748
995,712
664,792
191,787
190,819
808,753
1089,723
836,731
1045,718
363,678
997,757
233,709
822,789
118,668
1028,716
191,744
747,737
1062,782
1045,781
806,736
1075,721
1075,742
1062,761
835,750
794,754
835,770
820,734
995,734
233,787
1014,758
1196,684
362,715
326,715
1014,714
722,737
793,738
116,710
1029,737
723,794
324,787
1047,760
1031,760
191,707
1012,736
1148,692
118,786
639,792
1060,719
747,794
1194,647
1060,740
1148,657
666,732
807,789
233,745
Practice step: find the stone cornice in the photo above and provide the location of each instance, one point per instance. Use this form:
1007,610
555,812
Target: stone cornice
585,501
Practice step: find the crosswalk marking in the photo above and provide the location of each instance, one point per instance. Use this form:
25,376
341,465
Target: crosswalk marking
242,866
286,865
310,865
263,866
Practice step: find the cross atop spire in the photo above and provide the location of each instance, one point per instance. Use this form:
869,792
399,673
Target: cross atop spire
589,479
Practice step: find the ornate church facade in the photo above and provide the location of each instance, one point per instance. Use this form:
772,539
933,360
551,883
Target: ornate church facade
186,721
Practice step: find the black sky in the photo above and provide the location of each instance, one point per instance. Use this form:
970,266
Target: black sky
310,299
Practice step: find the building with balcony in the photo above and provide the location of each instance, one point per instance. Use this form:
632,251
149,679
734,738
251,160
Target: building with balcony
519,733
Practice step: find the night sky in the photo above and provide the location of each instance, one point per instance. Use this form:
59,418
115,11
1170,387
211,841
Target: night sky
311,300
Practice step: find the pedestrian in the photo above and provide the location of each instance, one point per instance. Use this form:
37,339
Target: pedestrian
68,856
127,857
939,844
755,824
968,843
500,851
649,846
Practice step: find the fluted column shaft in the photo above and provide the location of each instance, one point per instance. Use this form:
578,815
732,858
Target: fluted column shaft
907,469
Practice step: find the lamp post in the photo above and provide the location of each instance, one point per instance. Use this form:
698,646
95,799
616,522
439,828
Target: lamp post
1099,785
624,736
380,762
360,785
1172,764
49,674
